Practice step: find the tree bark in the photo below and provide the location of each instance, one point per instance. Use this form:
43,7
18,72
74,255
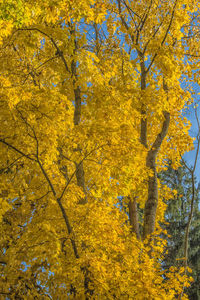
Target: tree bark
80,177
152,200
143,128
133,216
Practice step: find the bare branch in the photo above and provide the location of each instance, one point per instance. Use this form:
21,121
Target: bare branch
153,36
123,20
145,16
78,165
58,51
130,9
170,23
45,62
17,150
164,38
10,165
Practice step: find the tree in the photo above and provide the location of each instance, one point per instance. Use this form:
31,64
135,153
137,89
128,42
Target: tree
91,108
176,216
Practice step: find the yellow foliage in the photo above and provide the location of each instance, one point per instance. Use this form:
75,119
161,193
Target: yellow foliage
72,156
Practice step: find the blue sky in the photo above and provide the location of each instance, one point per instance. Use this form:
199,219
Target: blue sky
190,114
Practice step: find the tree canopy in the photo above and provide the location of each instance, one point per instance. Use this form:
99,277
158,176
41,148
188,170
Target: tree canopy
92,95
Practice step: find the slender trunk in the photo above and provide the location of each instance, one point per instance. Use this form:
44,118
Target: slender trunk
69,228
133,217
77,110
143,128
187,231
97,38
80,177
152,200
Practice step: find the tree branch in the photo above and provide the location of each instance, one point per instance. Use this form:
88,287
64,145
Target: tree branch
58,51
17,150
165,36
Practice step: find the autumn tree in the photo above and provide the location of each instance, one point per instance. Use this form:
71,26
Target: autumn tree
91,109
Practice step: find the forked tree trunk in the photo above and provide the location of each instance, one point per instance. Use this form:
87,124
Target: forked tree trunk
152,200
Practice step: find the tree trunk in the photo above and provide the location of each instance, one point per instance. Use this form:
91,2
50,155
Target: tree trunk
143,128
133,216
77,118
152,201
